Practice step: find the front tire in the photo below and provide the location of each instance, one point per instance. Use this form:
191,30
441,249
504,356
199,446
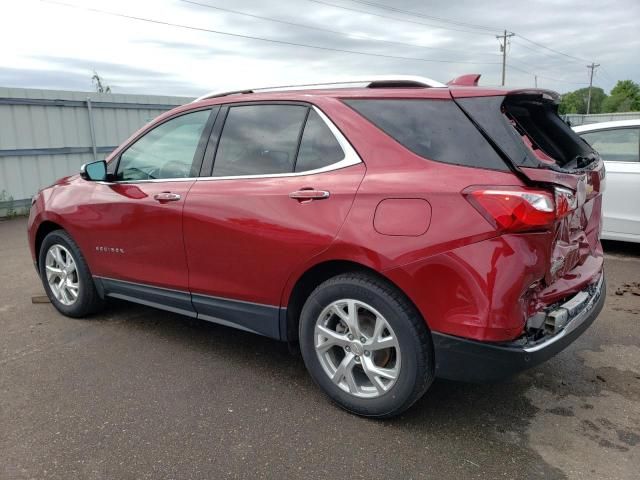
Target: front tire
66,277
366,345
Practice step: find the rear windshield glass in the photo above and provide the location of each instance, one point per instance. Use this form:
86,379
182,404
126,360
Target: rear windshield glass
434,129
538,119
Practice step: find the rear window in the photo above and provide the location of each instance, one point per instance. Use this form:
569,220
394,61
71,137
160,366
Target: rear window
434,129
537,118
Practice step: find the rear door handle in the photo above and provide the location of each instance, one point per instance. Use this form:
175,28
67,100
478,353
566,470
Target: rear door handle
308,195
166,197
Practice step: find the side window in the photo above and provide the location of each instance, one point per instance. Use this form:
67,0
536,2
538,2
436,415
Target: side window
318,147
167,151
619,145
259,140
434,129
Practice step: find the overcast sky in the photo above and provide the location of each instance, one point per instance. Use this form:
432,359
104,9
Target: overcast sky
47,45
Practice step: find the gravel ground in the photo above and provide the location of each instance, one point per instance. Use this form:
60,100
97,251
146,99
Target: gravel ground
140,393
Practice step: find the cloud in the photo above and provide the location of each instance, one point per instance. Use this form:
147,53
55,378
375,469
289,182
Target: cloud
35,78
55,47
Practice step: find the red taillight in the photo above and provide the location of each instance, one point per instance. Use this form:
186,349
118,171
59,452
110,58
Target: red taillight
514,209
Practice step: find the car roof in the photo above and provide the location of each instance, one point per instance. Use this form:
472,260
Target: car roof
307,95
604,125
368,82
377,86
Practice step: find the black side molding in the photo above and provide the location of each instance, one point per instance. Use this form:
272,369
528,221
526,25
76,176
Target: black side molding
257,318
253,317
165,299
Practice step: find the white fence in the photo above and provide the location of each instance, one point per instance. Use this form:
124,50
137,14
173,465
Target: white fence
48,134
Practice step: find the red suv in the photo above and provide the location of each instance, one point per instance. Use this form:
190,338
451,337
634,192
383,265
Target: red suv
397,229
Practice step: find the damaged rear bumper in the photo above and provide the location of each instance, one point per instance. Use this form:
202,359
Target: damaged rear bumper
469,360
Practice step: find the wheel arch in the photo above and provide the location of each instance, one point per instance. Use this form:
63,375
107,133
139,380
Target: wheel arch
317,274
44,229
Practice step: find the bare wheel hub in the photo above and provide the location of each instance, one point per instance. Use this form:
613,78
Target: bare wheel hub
357,348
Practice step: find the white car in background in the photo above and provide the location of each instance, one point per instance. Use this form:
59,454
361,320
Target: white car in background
619,146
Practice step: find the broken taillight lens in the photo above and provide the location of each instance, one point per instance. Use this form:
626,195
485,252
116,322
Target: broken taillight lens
566,201
514,209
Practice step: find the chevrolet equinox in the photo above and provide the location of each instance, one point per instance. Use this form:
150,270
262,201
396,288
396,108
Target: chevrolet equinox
396,229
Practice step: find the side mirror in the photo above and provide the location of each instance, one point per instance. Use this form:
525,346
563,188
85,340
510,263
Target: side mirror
94,171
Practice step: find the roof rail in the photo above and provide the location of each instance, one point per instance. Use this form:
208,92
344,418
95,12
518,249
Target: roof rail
379,81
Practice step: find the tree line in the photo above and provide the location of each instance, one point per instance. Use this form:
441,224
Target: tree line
624,97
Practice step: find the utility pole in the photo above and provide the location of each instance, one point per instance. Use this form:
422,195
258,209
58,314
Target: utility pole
592,68
535,79
503,39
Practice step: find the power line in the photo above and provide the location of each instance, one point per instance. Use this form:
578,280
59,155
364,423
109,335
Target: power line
560,80
251,37
540,45
423,15
543,68
471,25
606,74
530,66
284,42
321,29
552,49
456,22
538,51
398,19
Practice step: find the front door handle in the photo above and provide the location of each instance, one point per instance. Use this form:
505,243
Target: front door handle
308,195
166,197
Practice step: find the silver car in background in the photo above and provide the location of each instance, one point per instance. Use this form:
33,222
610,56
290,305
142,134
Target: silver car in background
619,145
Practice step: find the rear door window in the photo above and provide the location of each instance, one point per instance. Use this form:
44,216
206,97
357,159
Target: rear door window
434,129
616,145
259,140
318,147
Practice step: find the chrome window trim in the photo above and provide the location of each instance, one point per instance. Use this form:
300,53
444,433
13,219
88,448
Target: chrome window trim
350,158
152,180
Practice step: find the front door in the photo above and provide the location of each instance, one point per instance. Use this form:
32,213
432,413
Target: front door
138,237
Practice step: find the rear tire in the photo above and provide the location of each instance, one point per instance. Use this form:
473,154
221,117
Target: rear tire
66,277
366,345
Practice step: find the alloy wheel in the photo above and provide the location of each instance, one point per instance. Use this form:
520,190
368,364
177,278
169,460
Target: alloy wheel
62,274
357,348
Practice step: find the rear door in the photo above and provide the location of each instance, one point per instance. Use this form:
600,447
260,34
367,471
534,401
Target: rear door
620,149
281,185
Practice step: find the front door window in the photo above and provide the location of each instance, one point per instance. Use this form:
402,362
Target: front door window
167,151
